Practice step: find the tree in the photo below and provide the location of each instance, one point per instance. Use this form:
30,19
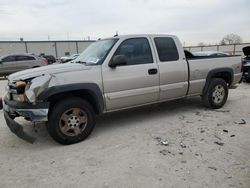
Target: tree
231,39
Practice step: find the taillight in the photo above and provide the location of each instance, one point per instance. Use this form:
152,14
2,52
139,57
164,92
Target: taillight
45,62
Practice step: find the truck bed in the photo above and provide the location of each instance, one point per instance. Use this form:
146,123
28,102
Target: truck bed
200,66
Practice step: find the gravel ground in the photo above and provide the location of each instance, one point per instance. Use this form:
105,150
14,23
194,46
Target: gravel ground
203,148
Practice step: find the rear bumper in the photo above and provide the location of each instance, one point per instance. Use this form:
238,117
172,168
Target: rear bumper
13,109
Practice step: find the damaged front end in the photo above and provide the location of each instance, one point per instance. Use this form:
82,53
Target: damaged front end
21,100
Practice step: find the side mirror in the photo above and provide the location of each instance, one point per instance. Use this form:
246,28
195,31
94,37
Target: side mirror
118,60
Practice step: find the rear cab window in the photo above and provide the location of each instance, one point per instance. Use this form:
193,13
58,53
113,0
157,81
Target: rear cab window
166,49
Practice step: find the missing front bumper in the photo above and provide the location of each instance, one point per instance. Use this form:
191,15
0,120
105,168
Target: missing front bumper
17,129
35,113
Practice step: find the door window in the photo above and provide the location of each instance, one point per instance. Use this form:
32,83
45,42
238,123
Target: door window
9,59
23,58
137,51
166,49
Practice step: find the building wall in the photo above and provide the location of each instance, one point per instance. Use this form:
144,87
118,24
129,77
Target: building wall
64,48
12,47
44,47
55,48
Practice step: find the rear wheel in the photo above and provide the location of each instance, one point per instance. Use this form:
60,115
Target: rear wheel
71,121
217,93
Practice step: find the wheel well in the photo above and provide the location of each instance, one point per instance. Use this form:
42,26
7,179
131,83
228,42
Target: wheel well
84,94
225,76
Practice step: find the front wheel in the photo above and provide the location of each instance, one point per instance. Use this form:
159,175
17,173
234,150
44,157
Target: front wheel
71,121
216,95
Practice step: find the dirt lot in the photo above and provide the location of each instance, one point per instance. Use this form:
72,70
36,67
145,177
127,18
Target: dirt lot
203,148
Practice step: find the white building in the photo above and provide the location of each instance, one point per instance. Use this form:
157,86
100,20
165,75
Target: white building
55,48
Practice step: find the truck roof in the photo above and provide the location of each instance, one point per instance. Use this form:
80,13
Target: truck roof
141,35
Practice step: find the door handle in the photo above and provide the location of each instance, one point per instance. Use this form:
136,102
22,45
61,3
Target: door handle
152,71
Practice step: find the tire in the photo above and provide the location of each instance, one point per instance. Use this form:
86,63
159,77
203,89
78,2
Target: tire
216,95
247,80
71,121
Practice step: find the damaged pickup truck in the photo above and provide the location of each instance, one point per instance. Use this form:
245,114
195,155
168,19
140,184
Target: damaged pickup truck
113,74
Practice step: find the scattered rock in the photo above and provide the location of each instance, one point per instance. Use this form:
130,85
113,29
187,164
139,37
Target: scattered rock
202,131
165,152
183,145
226,131
180,153
83,172
219,124
219,143
232,135
52,162
183,161
197,154
213,168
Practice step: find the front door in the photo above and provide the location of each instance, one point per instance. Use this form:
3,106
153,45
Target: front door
135,83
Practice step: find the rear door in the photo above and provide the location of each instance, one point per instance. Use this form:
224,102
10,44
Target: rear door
172,66
137,82
24,62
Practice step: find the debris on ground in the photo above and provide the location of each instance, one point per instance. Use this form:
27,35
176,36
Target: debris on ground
221,110
242,122
161,141
83,172
219,143
182,117
216,136
213,168
198,113
225,131
202,131
183,145
165,152
232,135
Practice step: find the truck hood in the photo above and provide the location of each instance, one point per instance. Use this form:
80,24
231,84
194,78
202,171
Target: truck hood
49,69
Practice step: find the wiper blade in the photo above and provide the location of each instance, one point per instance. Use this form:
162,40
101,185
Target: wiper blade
82,62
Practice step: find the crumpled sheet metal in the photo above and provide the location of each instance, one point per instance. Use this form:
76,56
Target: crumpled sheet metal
38,85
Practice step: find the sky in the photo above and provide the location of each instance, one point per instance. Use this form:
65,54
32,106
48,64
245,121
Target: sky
193,21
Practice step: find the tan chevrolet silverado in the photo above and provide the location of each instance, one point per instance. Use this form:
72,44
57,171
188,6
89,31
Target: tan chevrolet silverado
113,74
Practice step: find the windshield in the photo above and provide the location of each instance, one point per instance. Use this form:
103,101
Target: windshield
96,52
